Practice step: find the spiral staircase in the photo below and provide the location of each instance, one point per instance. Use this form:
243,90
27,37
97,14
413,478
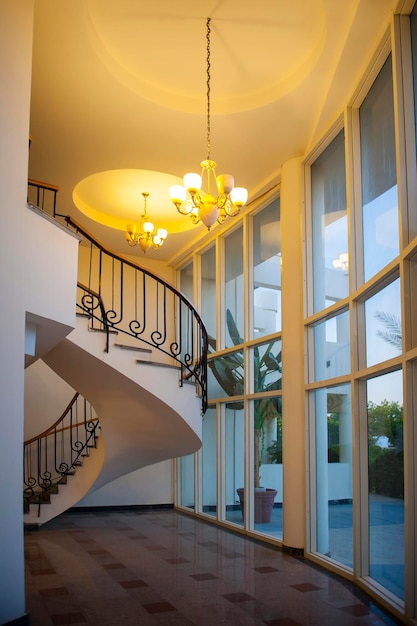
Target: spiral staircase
136,359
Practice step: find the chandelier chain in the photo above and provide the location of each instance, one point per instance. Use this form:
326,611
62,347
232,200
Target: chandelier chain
208,87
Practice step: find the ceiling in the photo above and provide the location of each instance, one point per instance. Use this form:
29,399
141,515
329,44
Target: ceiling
122,86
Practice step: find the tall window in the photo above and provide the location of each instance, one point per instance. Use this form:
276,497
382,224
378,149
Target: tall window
233,264
386,481
333,471
208,291
267,271
379,178
329,224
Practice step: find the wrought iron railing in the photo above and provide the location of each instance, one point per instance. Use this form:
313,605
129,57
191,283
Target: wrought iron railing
52,456
120,296
142,305
42,195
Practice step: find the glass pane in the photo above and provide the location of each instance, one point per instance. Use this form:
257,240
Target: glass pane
329,224
267,271
187,481
268,466
186,281
209,462
332,347
267,367
386,481
234,288
226,375
379,179
334,474
413,22
234,460
186,330
383,325
208,292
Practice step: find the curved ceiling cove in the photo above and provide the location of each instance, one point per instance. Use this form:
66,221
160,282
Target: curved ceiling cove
293,40
114,198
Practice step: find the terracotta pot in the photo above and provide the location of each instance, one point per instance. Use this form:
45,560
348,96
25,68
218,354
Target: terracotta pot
264,503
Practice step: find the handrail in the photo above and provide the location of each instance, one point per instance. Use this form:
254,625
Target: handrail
51,456
40,197
144,307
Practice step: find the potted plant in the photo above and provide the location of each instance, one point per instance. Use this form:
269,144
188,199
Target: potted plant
228,371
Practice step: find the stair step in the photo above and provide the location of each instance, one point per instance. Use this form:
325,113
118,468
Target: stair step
125,346
168,365
103,330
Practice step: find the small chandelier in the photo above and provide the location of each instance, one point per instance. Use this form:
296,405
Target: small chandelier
202,205
145,239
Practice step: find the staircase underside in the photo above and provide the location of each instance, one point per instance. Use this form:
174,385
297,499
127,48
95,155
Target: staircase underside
145,416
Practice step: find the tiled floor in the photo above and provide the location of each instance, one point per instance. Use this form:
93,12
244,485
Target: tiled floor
161,567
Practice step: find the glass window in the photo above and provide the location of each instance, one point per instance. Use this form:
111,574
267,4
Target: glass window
267,498
333,442
233,262
267,367
413,22
186,281
187,481
329,224
209,467
386,481
379,178
226,375
332,347
234,460
208,293
383,324
267,271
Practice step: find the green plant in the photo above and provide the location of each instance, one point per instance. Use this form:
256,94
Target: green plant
228,370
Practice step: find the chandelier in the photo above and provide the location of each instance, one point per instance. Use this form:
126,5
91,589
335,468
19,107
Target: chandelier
200,205
146,238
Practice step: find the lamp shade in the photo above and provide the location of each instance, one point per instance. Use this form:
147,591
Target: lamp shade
192,182
239,196
177,194
225,183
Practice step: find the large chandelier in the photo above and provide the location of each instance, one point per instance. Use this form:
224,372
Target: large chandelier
146,238
200,205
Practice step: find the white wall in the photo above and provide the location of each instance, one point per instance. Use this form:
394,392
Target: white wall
16,22
46,396
149,485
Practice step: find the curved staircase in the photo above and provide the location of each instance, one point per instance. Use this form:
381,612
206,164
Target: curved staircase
138,355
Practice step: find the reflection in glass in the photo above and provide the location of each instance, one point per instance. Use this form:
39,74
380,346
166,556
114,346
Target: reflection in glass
413,24
233,262
379,176
208,291
386,481
226,375
334,536
187,481
186,329
383,324
186,281
267,367
209,462
267,497
332,347
267,271
329,224
234,459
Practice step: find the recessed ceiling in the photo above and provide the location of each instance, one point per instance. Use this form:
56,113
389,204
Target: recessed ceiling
114,198
122,86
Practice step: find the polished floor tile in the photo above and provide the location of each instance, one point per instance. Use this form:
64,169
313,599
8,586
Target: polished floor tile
123,568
